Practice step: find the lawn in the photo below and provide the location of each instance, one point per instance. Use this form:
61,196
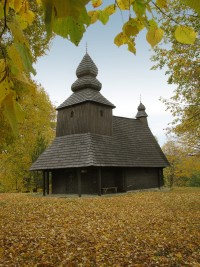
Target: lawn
134,229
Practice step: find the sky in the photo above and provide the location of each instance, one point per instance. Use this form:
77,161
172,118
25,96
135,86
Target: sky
124,76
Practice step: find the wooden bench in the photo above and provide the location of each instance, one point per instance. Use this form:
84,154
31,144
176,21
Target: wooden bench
112,189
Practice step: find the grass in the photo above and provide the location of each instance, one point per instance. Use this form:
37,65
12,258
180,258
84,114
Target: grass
134,229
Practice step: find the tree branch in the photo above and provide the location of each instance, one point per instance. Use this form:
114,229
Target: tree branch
164,13
5,24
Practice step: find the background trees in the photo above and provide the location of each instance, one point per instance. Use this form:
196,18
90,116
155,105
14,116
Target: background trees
184,169
35,133
181,62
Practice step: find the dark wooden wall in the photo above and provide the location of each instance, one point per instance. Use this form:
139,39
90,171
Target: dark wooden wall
141,178
84,118
65,181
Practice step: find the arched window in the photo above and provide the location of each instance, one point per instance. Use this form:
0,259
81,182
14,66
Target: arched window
101,113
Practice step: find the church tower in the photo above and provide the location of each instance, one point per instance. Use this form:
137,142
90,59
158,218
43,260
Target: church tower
86,110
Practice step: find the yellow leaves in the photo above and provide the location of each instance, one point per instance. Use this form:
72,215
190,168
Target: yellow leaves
131,47
1,11
133,27
161,3
124,4
12,69
111,9
5,89
101,15
96,3
130,29
121,39
163,233
39,2
24,15
17,32
26,18
2,69
94,15
194,4
16,4
185,34
12,110
16,60
154,36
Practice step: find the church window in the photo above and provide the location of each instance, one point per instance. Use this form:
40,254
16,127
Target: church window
72,114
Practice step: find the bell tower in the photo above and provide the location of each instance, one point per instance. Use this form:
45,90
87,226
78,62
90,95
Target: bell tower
86,110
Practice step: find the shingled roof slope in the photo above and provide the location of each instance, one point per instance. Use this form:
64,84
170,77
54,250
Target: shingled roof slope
132,145
83,96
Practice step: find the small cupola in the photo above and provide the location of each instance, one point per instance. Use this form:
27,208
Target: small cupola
141,114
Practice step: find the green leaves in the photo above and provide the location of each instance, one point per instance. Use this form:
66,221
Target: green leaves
12,110
161,3
26,57
102,15
185,35
194,4
69,28
139,6
70,15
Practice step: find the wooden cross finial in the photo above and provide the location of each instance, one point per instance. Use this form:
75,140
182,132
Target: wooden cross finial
86,47
140,98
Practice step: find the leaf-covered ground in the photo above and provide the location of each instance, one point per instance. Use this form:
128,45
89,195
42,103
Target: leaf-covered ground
135,229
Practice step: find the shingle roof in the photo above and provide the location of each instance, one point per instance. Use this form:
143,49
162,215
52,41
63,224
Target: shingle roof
132,145
85,95
86,66
86,74
86,82
87,86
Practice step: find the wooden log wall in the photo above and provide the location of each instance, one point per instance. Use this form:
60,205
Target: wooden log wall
84,118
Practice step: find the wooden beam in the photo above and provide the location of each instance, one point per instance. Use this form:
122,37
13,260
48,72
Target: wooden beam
47,178
124,179
160,177
99,181
44,183
78,173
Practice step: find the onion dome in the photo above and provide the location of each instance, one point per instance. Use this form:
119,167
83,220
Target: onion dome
86,74
141,111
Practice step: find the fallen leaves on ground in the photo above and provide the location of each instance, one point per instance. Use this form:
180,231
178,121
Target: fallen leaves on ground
134,229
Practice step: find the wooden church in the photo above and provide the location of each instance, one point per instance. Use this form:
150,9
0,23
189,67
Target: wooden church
95,152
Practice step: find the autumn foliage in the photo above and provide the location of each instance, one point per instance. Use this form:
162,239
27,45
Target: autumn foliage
134,229
26,27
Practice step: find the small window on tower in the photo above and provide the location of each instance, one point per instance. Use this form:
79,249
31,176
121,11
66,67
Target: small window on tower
72,114
101,113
